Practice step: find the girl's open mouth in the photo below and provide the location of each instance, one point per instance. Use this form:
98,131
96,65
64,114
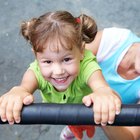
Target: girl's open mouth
60,80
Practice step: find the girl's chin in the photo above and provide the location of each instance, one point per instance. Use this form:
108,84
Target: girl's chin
61,89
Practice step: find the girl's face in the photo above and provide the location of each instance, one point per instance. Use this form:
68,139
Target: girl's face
61,67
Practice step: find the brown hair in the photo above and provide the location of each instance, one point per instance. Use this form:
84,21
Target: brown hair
59,28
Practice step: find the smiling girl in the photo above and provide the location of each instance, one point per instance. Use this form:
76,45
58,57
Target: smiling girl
64,71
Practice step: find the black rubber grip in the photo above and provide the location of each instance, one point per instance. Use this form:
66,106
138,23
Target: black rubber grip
74,114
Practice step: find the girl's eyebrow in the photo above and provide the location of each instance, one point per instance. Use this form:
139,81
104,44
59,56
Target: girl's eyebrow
67,54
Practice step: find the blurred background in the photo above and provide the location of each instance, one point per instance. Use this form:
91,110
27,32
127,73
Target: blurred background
16,55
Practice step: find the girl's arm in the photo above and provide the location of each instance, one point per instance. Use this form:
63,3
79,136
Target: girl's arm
11,103
106,102
94,45
29,81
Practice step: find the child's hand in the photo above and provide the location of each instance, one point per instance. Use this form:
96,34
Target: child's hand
106,104
11,104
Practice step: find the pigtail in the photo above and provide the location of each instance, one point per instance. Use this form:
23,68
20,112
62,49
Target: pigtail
88,28
26,28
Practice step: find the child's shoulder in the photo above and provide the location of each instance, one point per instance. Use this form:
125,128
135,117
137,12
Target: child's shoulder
88,53
88,65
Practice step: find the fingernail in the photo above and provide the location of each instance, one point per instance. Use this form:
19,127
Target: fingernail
3,119
18,121
110,122
11,122
103,124
97,123
87,104
117,112
27,102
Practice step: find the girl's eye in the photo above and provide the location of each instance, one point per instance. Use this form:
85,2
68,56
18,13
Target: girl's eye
67,59
47,61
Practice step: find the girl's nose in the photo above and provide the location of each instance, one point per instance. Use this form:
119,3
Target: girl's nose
58,69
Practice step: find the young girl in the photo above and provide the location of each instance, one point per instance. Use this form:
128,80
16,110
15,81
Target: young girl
63,70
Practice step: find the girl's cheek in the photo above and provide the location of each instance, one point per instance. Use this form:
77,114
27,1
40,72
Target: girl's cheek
75,71
44,72
45,76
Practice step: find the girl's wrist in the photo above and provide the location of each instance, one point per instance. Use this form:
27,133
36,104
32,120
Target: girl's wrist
102,87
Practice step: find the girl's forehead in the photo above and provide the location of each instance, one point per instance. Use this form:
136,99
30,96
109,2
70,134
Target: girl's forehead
62,53
59,49
58,44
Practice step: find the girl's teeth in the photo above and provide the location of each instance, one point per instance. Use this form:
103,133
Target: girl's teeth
60,79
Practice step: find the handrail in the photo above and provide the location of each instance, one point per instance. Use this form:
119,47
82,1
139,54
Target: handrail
74,114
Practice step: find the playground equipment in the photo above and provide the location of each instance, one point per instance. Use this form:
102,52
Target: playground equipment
74,114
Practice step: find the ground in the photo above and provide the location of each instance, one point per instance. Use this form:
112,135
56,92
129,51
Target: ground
16,54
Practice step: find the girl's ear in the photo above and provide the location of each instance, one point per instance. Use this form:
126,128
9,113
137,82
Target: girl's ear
33,51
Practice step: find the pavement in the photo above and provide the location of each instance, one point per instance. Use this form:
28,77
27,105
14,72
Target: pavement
16,55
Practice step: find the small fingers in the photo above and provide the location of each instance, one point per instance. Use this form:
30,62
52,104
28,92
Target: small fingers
118,106
3,110
17,110
114,109
9,112
97,113
104,114
87,100
112,113
28,100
